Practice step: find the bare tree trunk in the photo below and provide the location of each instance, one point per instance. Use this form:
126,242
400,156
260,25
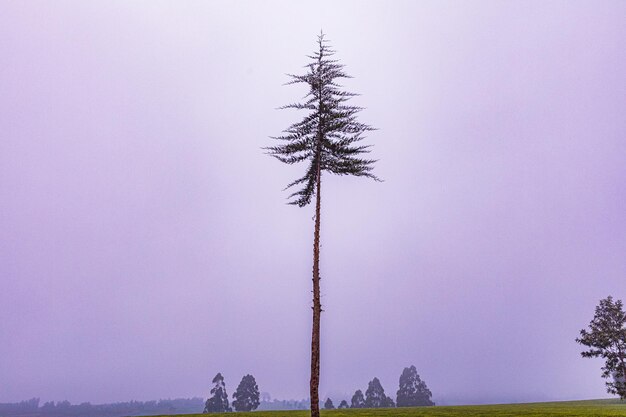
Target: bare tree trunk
317,306
622,391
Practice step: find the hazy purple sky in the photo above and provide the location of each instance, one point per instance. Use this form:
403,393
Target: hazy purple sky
145,243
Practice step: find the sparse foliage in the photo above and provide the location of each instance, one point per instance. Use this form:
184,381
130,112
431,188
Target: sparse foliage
412,392
246,397
218,402
326,139
358,400
606,338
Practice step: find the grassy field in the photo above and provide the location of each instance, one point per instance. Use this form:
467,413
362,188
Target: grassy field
594,408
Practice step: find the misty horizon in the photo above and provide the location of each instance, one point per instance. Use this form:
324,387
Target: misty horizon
147,245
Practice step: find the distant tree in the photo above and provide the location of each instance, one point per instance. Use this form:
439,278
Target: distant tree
246,397
343,404
31,405
328,405
130,408
606,337
218,403
28,407
63,407
358,401
375,396
327,139
413,391
48,407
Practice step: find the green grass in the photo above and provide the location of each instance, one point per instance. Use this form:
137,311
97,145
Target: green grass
595,408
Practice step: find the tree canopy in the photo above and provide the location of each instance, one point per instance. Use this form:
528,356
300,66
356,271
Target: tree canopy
606,338
358,400
375,396
413,391
328,405
328,137
218,402
246,397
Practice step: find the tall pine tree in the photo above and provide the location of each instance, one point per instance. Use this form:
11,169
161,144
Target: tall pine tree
327,139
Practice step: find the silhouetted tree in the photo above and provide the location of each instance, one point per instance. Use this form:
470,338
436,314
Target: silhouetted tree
218,403
246,397
412,392
328,405
358,401
63,406
606,337
327,139
343,404
375,396
85,409
47,407
28,407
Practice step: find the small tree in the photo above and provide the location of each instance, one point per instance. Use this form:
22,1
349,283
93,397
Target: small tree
413,391
606,337
358,401
218,403
246,397
328,405
375,396
343,404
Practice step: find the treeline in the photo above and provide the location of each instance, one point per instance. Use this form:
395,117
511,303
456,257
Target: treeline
31,408
278,405
412,392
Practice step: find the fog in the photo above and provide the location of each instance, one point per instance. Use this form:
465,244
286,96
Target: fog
146,243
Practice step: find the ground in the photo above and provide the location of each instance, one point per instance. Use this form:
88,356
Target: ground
595,408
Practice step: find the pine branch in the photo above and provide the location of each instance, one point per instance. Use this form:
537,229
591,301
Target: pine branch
328,135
